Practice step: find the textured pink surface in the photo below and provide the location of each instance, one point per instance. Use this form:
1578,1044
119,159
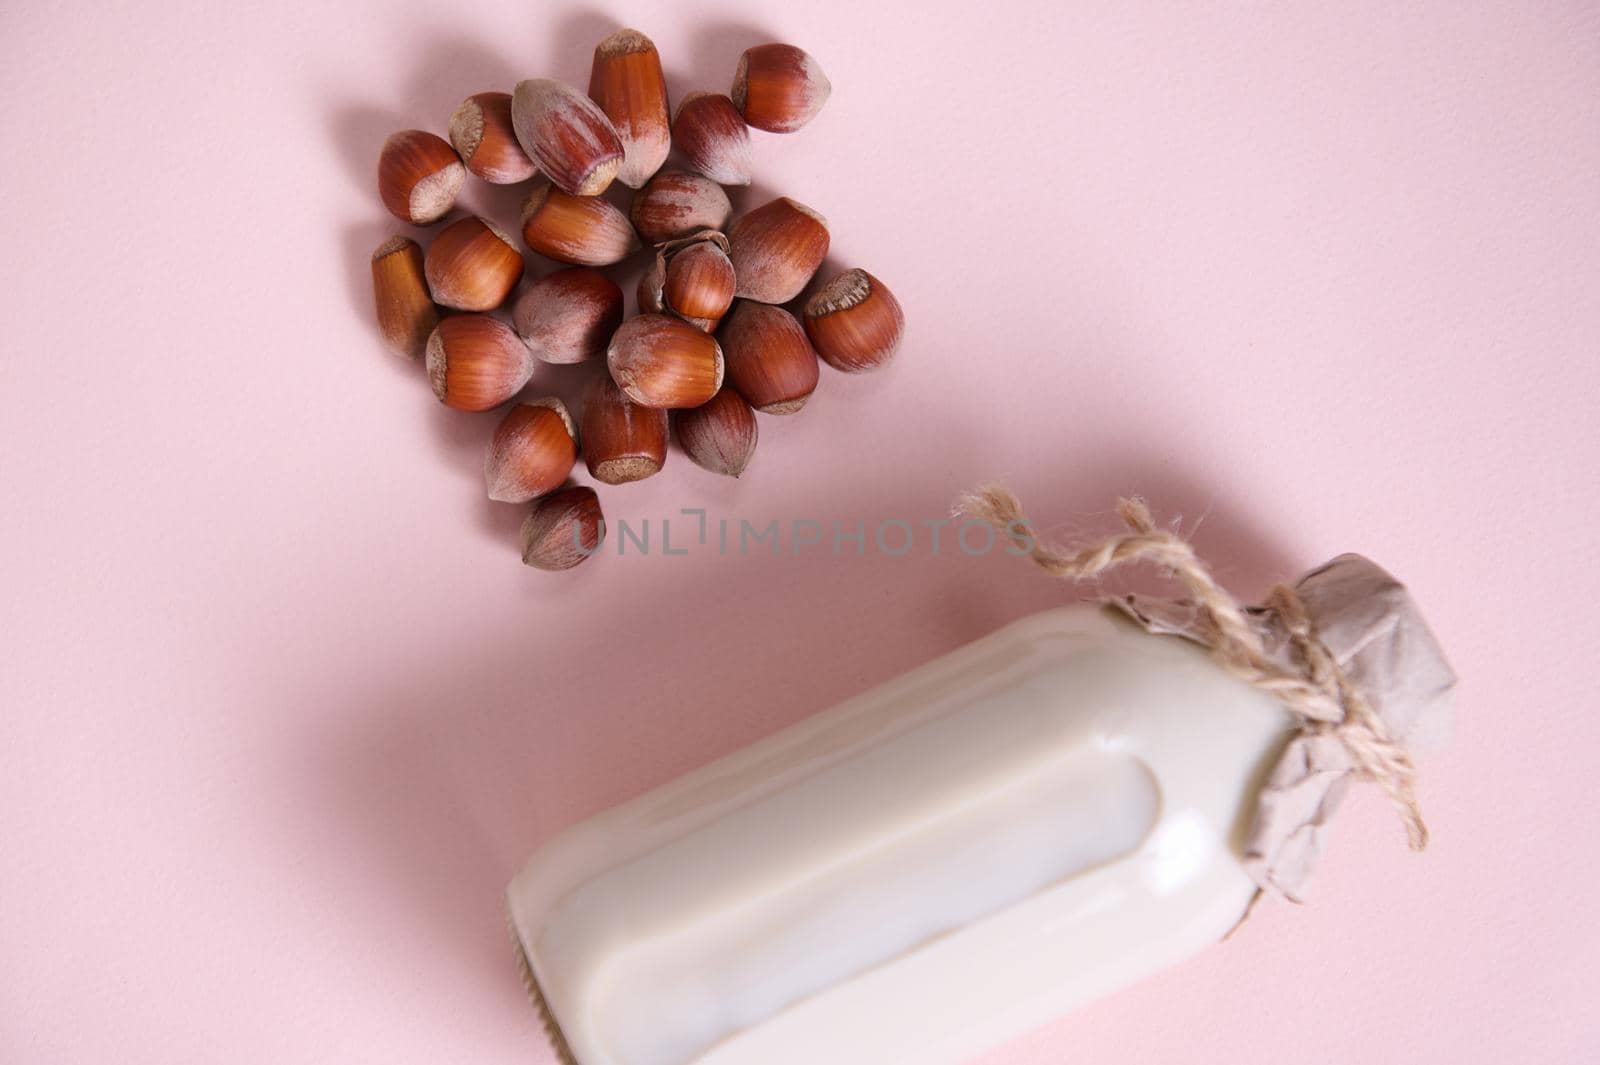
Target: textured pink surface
280,712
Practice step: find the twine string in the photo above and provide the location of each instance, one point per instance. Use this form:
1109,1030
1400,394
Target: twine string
1317,692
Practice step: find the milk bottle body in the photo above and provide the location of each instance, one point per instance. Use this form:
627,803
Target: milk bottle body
952,858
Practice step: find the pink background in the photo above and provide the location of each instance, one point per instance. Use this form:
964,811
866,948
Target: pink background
282,712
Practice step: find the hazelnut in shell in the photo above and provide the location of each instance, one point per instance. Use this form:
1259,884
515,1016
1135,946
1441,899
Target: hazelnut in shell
567,135
564,528
627,83
581,230
533,449
712,136
779,88
854,322
719,435
678,204
406,314
475,362
776,250
569,316
662,362
482,134
419,175
622,441
472,265
769,359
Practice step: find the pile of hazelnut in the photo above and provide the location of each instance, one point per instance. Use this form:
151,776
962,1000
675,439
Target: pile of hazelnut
713,342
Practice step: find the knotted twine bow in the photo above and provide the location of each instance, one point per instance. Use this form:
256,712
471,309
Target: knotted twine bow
1314,688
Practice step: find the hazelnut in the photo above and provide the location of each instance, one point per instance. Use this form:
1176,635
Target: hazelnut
406,314
582,230
472,265
855,322
419,176
719,435
564,528
700,281
533,449
709,132
662,362
676,204
476,362
692,278
627,84
483,136
622,441
567,135
778,88
776,249
769,359
569,316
